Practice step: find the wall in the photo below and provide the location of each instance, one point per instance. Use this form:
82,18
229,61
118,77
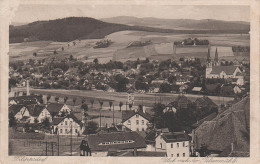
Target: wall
160,144
44,114
25,112
173,151
62,125
133,126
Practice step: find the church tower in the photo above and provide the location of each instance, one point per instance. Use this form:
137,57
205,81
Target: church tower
216,62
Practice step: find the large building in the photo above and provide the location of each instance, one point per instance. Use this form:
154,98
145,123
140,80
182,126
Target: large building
175,144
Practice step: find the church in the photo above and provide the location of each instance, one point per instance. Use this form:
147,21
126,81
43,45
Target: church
215,70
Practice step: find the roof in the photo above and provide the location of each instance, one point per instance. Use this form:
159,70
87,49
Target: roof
229,70
205,101
138,153
35,110
207,118
15,108
95,141
54,108
231,126
130,113
239,74
175,137
197,89
211,87
57,120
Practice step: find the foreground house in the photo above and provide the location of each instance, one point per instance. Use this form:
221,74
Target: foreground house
39,112
20,112
228,133
68,125
136,120
102,144
175,144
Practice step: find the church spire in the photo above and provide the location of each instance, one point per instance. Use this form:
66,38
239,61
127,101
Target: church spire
208,55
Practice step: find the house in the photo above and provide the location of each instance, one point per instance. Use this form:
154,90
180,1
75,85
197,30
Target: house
181,80
101,144
20,112
170,108
151,136
205,102
230,127
245,61
175,144
237,89
57,109
39,112
182,102
222,72
159,81
68,125
183,88
136,120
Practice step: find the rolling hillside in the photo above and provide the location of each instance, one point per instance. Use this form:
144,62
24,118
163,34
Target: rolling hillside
69,29
206,24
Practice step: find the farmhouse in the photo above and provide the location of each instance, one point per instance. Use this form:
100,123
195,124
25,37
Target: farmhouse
101,144
20,112
175,144
57,109
39,112
223,72
136,120
68,125
170,108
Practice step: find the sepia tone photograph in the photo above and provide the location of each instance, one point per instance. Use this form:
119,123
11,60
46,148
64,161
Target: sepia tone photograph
129,80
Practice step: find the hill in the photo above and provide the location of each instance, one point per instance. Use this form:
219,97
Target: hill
188,24
69,29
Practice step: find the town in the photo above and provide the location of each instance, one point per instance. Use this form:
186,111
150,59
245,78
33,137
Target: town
190,107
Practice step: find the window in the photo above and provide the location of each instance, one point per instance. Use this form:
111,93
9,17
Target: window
66,130
60,131
129,122
171,155
183,154
137,116
61,123
42,114
142,129
70,122
137,122
76,130
137,129
178,155
177,144
183,144
171,145
142,122
161,145
66,123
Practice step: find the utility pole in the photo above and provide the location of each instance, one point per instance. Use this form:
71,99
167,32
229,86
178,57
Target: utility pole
71,141
52,148
58,143
142,101
113,115
100,119
46,149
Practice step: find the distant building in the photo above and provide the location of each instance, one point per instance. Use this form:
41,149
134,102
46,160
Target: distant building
175,144
136,120
101,144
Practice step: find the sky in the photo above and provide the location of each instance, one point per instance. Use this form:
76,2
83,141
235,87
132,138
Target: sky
27,13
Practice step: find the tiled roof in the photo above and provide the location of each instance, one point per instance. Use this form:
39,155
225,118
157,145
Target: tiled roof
205,101
229,70
54,108
207,118
231,126
175,137
57,120
15,108
35,110
129,113
95,141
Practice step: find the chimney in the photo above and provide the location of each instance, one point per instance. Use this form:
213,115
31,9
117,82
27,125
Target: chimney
27,88
143,109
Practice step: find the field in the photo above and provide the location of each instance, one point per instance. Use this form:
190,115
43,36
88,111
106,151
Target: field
161,47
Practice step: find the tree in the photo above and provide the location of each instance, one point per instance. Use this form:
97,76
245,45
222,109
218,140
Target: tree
101,103
95,61
46,123
203,151
130,106
92,102
120,105
12,121
65,99
36,120
157,118
165,88
110,104
48,98
84,107
55,52
74,100
83,101
91,127
34,54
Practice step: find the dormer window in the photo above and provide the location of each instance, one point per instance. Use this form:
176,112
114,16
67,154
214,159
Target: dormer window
137,116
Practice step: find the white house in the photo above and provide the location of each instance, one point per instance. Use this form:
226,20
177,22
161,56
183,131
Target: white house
237,89
136,120
222,72
175,144
170,108
68,125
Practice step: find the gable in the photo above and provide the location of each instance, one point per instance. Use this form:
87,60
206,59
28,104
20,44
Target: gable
133,117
